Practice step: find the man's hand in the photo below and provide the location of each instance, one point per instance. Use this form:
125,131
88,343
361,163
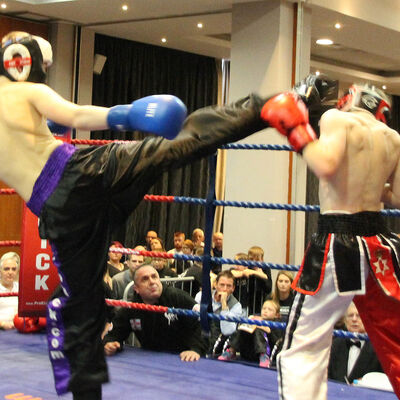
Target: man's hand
189,355
111,348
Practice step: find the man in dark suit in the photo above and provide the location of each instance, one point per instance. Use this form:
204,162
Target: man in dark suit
352,359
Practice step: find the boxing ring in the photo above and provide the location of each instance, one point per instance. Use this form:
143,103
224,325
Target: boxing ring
139,374
145,375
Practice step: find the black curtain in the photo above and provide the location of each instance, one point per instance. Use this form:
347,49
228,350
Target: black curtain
312,185
133,70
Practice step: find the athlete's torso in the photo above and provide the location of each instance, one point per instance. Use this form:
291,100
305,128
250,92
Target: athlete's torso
26,142
371,155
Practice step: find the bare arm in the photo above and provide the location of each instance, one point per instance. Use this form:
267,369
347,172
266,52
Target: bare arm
391,191
324,155
52,106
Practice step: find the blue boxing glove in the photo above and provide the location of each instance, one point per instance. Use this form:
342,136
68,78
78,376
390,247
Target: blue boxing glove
57,128
162,115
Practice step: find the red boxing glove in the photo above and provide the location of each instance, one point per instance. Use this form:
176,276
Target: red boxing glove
288,114
29,325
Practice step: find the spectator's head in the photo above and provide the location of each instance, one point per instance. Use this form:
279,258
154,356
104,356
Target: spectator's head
198,237
353,321
256,253
270,310
158,263
134,261
187,247
225,282
179,238
150,236
283,283
9,268
218,240
147,284
157,243
199,251
115,258
240,256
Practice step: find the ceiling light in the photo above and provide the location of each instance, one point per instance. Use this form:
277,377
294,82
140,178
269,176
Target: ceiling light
125,7
384,87
324,42
200,25
338,25
317,73
164,40
3,5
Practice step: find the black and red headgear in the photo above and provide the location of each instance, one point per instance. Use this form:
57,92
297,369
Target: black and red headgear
368,98
26,59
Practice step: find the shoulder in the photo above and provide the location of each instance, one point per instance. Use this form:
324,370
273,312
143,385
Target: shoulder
335,116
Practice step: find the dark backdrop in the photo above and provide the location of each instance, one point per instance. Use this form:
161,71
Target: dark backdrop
135,70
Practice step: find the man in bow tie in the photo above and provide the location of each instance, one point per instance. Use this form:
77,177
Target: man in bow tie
352,358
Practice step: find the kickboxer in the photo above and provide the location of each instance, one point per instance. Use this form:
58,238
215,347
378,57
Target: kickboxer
356,159
81,195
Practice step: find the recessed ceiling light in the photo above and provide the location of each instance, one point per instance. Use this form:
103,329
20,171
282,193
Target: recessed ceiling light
200,25
317,73
324,42
3,5
338,25
125,7
164,40
384,87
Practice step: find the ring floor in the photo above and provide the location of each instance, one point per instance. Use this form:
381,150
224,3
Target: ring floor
146,375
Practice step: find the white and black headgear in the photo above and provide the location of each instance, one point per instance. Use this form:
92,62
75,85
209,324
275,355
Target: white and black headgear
369,98
26,59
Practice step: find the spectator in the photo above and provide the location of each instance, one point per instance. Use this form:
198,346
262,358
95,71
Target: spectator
161,265
157,243
179,266
258,282
179,238
9,269
114,263
150,235
255,343
351,358
198,237
157,331
216,251
225,304
195,271
283,293
121,280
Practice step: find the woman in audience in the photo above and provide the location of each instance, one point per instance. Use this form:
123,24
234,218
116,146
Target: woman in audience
283,293
114,264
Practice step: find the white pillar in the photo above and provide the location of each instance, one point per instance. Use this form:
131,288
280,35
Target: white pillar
261,61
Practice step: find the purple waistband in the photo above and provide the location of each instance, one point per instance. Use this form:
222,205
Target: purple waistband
49,177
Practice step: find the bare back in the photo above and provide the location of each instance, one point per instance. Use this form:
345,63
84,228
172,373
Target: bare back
26,142
368,158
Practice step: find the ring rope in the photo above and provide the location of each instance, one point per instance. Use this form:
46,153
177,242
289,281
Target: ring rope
218,317
248,146
9,294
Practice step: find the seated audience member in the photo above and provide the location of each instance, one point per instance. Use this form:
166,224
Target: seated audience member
258,281
255,343
161,265
179,238
225,304
352,358
114,263
198,237
179,266
121,280
157,243
216,250
150,235
195,271
9,269
283,293
157,331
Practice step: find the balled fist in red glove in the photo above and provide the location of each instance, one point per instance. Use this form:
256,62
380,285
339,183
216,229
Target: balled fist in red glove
288,114
29,324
